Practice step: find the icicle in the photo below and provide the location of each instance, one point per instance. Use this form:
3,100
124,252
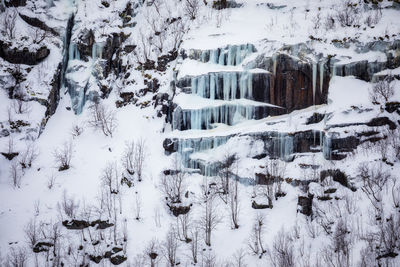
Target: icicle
194,85
201,87
274,63
327,144
212,85
227,85
321,76
314,80
333,70
231,55
221,60
233,79
243,84
250,85
214,56
73,52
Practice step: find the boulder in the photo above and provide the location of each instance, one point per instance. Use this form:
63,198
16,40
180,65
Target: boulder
23,56
305,204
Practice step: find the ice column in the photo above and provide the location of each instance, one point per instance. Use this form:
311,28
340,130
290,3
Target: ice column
314,80
321,76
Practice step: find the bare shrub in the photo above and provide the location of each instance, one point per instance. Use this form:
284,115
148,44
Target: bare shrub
173,186
183,223
152,251
76,131
239,258
329,23
234,203
256,237
170,247
225,171
374,179
282,252
128,160
20,103
373,17
103,118
382,91
63,156
51,181
191,8
16,173
140,157
9,21
32,233
68,206
210,217
17,257
137,208
348,14
29,155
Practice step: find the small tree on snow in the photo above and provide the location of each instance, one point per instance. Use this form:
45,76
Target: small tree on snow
382,91
63,156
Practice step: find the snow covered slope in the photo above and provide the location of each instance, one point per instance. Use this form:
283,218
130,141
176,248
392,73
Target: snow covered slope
204,133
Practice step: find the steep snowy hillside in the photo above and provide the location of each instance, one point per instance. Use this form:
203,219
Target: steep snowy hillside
199,133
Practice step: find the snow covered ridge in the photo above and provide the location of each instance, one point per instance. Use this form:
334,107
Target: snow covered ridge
161,133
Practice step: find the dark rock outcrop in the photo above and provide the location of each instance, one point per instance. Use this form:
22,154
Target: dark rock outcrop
305,204
35,22
177,209
42,246
23,56
257,206
381,121
14,3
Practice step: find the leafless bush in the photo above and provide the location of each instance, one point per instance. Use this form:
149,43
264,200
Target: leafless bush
210,217
29,155
10,149
152,251
234,203
374,179
16,173
282,252
170,247
137,208
174,185
9,21
38,35
63,156
348,13
51,181
225,171
373,17
382,91
396,193
183,223
128,160
317,21
191,8
209,259
76,131
20,103
103,118
194,245
140,157
32,232
17,257
329,23
68,205
239,258
341,243
256,237
389,236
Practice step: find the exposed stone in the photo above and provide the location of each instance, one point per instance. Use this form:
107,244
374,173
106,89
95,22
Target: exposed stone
24,56
178,209
392,107
117,259
305,204
4,133
257,206
101,224
14,3
315,118
10,156
75,224
35,22
381,121
42,246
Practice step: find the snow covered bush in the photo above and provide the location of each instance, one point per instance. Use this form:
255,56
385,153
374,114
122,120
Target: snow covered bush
9,22
382,91
29,155
103,118
63,156
348,14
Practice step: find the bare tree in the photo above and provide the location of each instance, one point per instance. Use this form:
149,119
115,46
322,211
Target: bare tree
239,258
137,208
9,21
103,118
191,8
15,173
194,245
29,155
225,170
282,252
348,13
183,224
256,238
152,251
173,186
63,156
128,160
234,203
76,131
170,247
17,257
210,217
20,103
68,205
140,157
374,179
382,91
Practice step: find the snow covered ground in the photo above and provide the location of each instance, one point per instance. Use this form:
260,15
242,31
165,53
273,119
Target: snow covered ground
346,228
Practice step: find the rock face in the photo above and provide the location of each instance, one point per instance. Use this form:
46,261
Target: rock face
14,3
23,56
35,22
305,204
